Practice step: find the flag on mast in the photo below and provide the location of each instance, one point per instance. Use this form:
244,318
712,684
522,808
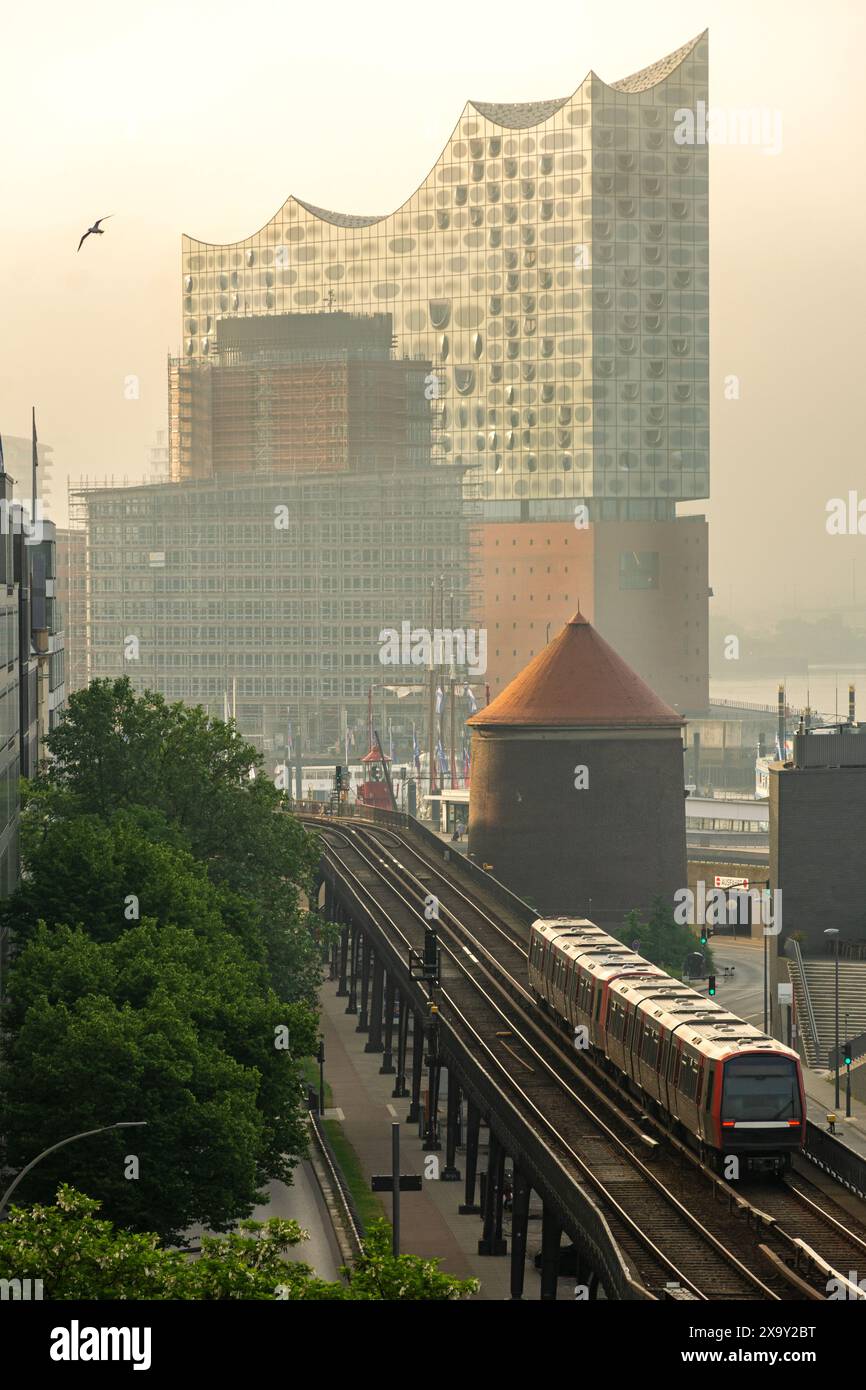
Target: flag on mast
439,698
473,703
35,462
442,761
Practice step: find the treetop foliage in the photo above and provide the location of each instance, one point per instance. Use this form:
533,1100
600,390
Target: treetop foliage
79,1255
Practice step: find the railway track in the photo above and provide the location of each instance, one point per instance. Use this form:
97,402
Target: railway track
804,1248
811,1246
488,1005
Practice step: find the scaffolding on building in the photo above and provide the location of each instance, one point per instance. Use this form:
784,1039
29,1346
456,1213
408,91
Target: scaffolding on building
302,644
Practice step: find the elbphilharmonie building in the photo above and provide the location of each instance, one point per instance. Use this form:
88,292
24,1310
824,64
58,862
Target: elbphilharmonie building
552,269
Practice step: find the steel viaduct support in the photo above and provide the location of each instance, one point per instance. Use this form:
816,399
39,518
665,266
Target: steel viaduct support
372,973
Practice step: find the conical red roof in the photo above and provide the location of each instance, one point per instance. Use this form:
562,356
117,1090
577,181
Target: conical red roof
577,680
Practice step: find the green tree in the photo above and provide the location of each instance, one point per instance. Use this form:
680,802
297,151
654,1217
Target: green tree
378,1275
165,1026
80,1255
135,777
159,940
662,940
107,875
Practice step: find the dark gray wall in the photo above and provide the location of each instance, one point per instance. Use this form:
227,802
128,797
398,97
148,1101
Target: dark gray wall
597,852
818,851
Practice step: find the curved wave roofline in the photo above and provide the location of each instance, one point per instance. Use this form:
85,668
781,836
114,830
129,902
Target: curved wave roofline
515,115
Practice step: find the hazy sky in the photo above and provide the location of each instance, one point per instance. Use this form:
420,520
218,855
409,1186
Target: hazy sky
181,115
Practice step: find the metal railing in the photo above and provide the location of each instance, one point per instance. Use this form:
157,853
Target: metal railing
810,1012
835,1158
485,881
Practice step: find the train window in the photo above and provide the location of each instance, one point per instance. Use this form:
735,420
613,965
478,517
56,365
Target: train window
598,1003
709,1096
760,1088
688,1077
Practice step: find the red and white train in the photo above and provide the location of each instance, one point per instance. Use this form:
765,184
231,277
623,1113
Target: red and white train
718,1082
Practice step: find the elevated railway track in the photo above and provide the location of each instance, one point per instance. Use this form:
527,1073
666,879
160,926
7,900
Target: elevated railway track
647,1219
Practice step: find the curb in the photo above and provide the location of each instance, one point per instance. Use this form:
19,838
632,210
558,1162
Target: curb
343,1221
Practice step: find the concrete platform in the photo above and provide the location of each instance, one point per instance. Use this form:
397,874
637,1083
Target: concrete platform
429,1220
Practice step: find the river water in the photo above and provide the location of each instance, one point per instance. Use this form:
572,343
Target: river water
825,690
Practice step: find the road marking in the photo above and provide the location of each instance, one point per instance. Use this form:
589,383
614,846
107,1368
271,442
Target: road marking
391,1111
335,1114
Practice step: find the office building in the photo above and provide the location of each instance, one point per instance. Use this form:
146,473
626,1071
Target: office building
266,597
299,393
817,833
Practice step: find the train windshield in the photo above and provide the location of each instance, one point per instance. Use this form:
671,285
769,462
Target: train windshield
760,1088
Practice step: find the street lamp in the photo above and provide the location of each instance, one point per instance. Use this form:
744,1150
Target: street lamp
834,932
847,1070
320,1058
119,1124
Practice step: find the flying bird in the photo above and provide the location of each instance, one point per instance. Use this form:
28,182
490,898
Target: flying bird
95,230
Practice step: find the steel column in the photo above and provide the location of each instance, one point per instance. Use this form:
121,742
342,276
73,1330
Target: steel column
417,1064
452,1125
519,1230
375,1041
352,1006
491,1243
551,1234
366,963
342,987
399,1090
473,1125
387,1067
431,1138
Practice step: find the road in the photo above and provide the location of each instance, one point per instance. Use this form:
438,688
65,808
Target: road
303,1202
743,992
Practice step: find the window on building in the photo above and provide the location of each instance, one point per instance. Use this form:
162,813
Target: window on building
639,569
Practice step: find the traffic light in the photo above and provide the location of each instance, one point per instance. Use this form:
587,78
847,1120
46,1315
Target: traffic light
711,986
430,969
846,1054
338,780
703,936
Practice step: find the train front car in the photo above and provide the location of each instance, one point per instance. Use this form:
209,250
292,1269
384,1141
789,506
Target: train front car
760,1111
720,1084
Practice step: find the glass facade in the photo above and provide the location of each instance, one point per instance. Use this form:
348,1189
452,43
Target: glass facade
9,707
553,267
200,591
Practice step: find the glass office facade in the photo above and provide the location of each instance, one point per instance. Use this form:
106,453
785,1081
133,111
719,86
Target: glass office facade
9,704
275,593
553,267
